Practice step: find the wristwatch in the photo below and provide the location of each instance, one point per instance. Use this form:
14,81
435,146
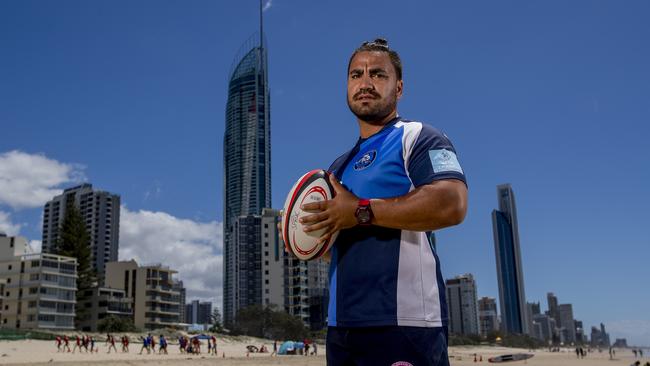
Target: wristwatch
364,212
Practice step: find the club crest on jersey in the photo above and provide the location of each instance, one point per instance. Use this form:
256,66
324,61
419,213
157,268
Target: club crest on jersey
366,160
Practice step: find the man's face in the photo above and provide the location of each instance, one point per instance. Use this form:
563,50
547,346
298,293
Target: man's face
373,88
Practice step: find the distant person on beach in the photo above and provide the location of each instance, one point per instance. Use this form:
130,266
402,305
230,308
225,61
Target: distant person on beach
145,344
77,344
182,343
125,344
58,342
163,344
214,345
92,344
110,340
152,343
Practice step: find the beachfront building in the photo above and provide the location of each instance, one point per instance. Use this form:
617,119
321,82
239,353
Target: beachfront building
39,288
546,326
487,315
247,164
156,301
567,323
197,312
510,275
462,305
101,213
599,337
102,303
182,293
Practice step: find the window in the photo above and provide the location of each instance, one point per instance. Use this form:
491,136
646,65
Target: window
33,277
31,304
33,290
9,280
10,267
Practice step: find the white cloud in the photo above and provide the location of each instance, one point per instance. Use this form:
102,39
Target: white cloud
637,332
7,226
36,245
267,6
192,248
30,180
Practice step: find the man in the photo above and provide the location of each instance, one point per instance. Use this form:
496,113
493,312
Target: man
401,181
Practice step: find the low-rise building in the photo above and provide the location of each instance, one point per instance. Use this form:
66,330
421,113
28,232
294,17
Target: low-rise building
104,302
39,290
156,298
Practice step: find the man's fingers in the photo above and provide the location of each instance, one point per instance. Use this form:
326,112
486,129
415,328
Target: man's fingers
314,206
314,218
335,183
324,238
316,226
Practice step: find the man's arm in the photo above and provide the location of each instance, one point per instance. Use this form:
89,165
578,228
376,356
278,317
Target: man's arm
439,204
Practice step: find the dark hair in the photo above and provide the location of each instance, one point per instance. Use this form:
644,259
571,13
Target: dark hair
380,45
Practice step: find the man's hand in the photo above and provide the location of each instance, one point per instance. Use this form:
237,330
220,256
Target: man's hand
334,215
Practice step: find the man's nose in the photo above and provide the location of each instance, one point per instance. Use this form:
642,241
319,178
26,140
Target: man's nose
366,83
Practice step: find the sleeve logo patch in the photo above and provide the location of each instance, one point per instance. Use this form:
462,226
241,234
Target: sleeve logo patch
444,161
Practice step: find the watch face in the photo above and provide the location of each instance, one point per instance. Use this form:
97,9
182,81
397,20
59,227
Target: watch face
363,216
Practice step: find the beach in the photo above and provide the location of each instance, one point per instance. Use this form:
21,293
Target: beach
36,352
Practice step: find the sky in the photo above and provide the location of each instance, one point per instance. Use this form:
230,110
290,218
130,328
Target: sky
552,97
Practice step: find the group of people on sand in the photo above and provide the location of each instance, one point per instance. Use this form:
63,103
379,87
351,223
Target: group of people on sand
193,345
82,344
149,344
86,343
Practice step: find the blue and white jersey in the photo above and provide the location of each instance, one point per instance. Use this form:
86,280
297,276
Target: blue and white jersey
380,276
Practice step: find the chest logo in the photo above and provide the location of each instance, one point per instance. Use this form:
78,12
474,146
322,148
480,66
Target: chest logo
366,160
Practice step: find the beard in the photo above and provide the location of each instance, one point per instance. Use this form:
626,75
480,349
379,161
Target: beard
375,111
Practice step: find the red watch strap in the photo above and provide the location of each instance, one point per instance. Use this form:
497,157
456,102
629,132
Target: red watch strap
364,202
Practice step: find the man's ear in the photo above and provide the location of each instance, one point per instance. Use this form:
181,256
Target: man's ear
400,89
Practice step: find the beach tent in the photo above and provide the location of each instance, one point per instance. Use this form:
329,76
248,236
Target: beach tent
290,347
202,336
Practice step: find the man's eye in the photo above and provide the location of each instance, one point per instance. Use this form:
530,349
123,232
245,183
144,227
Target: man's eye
354,76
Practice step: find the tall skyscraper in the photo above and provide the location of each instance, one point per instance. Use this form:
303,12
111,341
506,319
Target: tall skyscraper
101,212
462,303
247,157
553,307
510,275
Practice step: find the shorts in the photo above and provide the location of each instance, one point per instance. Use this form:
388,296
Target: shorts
387,346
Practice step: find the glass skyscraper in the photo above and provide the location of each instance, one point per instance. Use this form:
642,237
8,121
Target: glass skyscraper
512,299
247,161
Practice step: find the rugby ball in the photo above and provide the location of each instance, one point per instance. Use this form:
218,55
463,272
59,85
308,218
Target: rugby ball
311,187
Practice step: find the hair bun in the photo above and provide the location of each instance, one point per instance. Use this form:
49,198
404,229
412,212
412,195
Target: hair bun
381,41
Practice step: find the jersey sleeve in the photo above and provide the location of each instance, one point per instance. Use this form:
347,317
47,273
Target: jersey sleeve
432,157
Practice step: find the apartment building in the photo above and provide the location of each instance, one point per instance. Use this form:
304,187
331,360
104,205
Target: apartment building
39,289
155,295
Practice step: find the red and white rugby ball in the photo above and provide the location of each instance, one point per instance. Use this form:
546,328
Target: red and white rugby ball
311,187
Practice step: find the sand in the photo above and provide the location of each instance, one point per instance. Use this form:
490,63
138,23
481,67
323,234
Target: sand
35,352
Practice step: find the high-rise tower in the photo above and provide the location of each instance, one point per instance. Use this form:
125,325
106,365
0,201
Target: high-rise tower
510,274
101,213
247,159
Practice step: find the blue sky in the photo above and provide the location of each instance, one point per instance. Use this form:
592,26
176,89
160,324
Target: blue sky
550,96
